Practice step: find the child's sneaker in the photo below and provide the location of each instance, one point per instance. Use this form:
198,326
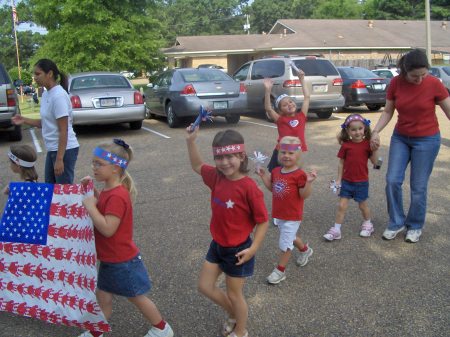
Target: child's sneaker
228,326
366,229
276,277
333,234
155,332
87,334
233,334
303,257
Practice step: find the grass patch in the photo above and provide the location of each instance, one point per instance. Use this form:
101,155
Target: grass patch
28,108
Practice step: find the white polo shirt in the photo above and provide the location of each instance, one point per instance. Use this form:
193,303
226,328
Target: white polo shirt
55,104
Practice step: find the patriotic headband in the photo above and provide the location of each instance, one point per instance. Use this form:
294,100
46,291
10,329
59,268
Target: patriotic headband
19,161
228,149
279,98
353,118
290,147
111,157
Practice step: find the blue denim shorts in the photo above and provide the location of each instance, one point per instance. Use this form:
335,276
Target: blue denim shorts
226,258
129,278
358,191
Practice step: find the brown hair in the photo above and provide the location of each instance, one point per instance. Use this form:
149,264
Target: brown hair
415,59
343,136
26,153
230,137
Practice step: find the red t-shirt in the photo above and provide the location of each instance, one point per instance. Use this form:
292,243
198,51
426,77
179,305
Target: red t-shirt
237,206
287,204
416,105
293,126
355,157
120,247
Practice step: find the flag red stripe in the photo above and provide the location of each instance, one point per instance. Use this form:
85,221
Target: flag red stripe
72,232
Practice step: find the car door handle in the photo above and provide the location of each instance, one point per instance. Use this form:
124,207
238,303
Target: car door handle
249,84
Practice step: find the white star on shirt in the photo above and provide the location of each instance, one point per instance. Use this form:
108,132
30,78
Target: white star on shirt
230,204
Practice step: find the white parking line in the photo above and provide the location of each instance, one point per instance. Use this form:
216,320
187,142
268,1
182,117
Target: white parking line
36,143
155,132
338,117
266,125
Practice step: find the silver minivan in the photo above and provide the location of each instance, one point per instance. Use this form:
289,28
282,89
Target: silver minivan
9,106
322,78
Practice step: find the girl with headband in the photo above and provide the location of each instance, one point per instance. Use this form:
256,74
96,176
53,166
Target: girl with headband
121,271
22,160
237,209
290,186
289,120
353,174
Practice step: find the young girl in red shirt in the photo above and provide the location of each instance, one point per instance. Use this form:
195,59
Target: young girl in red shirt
122,271
290,186
353,174
237,209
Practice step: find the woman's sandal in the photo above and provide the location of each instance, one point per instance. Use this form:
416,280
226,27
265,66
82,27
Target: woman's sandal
228,326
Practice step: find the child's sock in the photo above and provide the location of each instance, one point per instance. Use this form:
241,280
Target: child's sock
281,268
161,325
304,249
367,222
337,226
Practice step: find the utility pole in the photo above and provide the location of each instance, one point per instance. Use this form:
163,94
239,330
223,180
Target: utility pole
428,30
247,25
15,20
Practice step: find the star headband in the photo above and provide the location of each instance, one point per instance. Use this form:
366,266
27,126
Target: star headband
290,147
279,98
228,149
110,157
353,118
19,161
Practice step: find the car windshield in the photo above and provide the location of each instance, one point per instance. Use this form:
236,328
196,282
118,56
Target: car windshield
204,76
356,73
434,72
316,67
99,81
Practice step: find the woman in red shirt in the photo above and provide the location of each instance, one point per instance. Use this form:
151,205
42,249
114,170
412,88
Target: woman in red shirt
416,140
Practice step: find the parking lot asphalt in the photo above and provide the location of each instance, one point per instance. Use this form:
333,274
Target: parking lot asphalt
353,287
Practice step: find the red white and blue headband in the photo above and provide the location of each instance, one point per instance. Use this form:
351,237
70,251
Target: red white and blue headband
110,157
290,147
20,162
279,98
353,118
228,149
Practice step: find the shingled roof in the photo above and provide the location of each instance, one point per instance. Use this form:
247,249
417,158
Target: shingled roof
321,34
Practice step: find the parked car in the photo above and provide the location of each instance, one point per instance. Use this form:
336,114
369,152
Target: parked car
105,98
211,66
9,106
363,87
322,78
127,74
387,73
178,93
443,73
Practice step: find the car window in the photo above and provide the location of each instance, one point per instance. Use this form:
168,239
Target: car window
267,69
204,76
241,74
356,73
4,78
99,81
446,70
383,73
434,72
315,67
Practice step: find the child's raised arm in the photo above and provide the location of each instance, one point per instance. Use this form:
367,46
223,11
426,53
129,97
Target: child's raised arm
194,155
265,177
306,95
268,84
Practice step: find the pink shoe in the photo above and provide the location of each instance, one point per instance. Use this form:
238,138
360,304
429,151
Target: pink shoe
366,229
332,234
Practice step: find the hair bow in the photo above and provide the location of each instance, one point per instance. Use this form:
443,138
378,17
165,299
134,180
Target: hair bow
121,143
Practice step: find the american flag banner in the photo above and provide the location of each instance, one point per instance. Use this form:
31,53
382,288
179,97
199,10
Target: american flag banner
47,256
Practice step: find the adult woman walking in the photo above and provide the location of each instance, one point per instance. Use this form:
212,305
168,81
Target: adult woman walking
416,140
56,123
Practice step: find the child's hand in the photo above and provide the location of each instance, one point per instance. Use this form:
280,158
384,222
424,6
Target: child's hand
6,190
86,180
260,171
191,134
311,176
89,202
268,84
244,256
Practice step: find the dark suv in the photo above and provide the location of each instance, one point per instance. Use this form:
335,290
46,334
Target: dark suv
322,78
9,106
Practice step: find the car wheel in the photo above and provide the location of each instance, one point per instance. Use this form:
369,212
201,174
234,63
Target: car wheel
232,119
374,107
325,114
136,125
16,134
172,118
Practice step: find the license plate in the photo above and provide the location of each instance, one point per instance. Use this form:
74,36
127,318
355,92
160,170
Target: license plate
107,102
379,86
220,105
320,88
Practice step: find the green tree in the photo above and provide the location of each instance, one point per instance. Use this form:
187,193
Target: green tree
264,13
338,9
26,75
86,35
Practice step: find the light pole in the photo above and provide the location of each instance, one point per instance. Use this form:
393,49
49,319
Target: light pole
428,31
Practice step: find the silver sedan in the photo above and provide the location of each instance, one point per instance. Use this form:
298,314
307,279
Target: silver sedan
105,98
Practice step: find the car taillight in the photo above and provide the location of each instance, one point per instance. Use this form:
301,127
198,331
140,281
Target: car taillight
291,83
76,102
358,85
338,81
188,90
10,97
242,89
138,99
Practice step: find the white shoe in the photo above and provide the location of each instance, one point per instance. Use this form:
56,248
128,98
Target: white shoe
366,229
155,332
390,234
303,257
276,277
413,235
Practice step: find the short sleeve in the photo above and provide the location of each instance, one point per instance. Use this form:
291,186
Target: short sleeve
115,205
441,92
342,151
390,95
209,175
257,204
301,179
60,107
